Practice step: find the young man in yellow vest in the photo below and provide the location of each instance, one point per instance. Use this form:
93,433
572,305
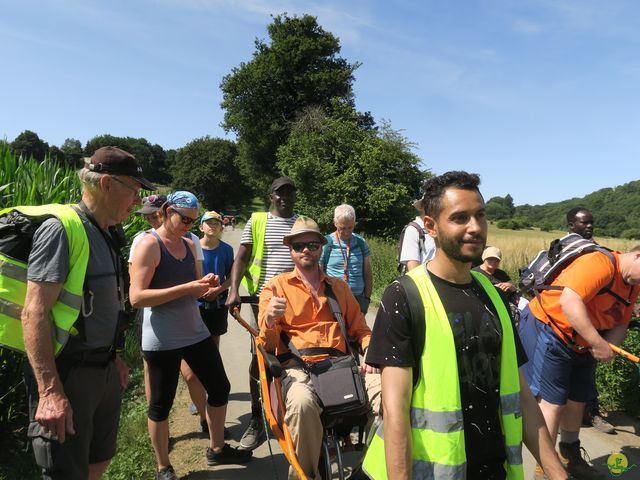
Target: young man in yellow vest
261,256
454,403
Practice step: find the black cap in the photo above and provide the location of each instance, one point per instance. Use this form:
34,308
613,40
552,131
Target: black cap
281,182
116,161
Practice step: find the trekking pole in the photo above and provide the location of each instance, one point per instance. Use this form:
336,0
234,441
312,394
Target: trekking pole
235,312
624,353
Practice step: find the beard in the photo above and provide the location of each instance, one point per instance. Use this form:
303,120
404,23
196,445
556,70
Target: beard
453,249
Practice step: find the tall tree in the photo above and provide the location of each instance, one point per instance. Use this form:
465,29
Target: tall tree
28,144
334,159
300,67
207,167
72,150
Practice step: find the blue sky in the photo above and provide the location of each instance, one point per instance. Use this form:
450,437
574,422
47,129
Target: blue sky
540,97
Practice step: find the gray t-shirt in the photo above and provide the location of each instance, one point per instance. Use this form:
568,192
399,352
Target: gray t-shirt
49,262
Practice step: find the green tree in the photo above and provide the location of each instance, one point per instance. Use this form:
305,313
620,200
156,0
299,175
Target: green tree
28,144
72,149
333,159
499,208
152,158
300,67
207,167
56,154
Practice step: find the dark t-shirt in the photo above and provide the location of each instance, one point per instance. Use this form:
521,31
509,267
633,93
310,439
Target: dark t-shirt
477,335
500,276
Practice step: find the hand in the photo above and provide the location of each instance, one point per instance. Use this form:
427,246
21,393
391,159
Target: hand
55,414
197,288
233,299
601,351
506,286
275,310
213,279
123,372
211,294
365,368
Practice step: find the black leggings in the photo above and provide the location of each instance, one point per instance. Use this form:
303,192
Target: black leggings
164,367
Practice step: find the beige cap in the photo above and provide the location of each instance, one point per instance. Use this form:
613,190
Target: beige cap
491,252
304,225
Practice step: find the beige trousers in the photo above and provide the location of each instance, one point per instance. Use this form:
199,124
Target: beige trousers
303,416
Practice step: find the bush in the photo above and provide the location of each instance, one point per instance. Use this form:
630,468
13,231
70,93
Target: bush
619,381
384,262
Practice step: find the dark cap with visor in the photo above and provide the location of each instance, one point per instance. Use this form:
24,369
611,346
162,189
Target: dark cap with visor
115,161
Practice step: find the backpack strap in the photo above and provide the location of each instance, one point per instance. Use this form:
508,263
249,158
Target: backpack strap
418,327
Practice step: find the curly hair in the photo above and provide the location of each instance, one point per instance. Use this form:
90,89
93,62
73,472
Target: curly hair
433,188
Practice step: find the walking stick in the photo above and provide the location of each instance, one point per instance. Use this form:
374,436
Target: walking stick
624,353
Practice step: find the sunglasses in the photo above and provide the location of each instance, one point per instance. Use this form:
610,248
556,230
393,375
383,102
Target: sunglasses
300,246
150,199
185,219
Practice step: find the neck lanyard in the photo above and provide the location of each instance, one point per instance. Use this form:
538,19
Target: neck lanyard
345,258
114,252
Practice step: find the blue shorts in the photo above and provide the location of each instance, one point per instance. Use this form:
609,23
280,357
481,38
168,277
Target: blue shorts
554,372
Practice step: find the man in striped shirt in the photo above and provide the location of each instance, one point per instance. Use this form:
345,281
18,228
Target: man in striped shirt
262,237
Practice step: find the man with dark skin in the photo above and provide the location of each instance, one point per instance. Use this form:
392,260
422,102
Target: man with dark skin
580,221
275,259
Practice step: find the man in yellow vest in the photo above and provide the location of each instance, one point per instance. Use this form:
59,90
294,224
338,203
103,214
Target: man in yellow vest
74,399
454,403
261,256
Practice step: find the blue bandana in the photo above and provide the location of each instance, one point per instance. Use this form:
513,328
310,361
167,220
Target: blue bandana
182,199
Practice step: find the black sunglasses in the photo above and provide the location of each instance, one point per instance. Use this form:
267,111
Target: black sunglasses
187,220
300,246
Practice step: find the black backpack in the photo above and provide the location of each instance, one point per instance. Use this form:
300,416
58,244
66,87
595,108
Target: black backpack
402,267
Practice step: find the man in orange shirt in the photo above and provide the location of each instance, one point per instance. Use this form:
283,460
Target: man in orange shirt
566,331
295,303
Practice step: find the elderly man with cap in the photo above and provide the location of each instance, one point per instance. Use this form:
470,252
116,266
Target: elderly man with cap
260,257
75,398
295,304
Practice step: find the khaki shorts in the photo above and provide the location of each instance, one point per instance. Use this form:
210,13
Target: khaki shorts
95,397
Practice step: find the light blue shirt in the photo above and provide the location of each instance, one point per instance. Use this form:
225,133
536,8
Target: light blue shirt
353,253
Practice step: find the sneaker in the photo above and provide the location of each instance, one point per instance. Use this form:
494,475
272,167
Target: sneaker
193,409
571,454
167,473
228,455
598,422
253,435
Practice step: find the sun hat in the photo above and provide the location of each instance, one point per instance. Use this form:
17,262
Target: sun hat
491,252
303,225
211,216
152,204
116,161
281,182
182,199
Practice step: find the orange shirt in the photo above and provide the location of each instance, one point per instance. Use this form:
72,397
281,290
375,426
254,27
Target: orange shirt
587,275
307,324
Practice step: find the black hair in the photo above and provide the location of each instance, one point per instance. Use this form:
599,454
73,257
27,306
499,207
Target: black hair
571,214
434,187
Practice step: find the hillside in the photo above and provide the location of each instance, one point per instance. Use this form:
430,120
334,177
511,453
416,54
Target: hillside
616,211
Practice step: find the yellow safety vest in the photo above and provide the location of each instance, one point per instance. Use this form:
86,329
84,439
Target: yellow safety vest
254,269
13,281
437,431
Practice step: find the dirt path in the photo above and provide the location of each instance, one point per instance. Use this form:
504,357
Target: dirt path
188,452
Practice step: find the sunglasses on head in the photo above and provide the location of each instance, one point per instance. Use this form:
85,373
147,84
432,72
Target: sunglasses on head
150,199
300,246
187,220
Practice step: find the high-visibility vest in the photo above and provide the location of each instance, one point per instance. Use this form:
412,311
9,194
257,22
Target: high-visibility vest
13,281
251,277
437,428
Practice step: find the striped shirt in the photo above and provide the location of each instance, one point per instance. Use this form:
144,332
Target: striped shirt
277,258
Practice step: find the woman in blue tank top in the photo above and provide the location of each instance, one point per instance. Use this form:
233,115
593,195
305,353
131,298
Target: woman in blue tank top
163,277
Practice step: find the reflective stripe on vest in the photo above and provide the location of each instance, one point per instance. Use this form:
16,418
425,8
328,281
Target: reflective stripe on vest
437,431
251,277
13,281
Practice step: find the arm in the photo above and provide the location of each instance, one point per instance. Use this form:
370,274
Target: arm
54,411
536,436
368,277
576,312
396,400
239,267
142,270
411,264
272,309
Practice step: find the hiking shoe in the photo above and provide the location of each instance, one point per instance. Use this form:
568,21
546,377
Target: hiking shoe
228,455
167,473
253,435
571,454
597,421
